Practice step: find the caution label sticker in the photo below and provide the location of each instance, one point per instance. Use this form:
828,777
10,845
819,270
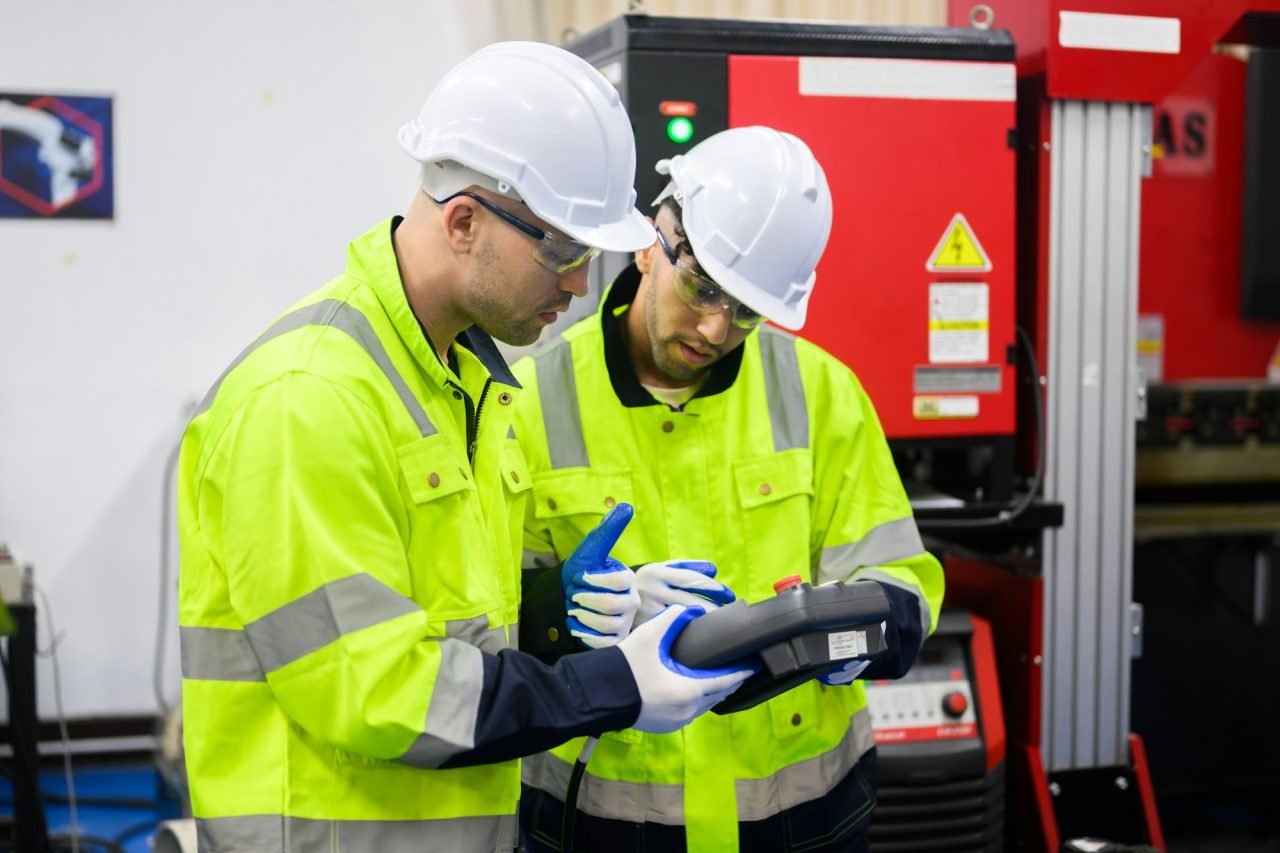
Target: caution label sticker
935,408
959,250
958,323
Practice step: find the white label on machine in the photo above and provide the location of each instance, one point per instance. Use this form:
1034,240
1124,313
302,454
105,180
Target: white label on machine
933,408
846,644
958,320
1104,31
922,79
1151,346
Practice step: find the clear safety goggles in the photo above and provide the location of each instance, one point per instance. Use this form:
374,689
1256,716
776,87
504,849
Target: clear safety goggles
704,295
561,255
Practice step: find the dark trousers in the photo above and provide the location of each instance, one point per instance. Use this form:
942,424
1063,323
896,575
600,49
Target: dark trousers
835,822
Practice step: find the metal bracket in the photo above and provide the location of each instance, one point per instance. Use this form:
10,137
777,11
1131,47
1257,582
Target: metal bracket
1135,629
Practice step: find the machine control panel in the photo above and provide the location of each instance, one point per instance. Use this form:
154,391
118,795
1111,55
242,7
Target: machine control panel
932,702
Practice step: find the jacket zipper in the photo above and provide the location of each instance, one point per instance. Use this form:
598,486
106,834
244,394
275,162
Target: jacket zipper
473,427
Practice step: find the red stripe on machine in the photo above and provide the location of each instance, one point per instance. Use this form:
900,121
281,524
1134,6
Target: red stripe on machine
916,734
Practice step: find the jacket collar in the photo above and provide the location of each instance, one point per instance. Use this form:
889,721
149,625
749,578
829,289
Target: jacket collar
622,374
371,258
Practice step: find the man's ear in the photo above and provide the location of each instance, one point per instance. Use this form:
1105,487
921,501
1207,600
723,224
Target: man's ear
644,257
458,219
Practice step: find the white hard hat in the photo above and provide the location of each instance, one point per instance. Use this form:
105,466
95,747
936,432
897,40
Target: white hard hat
757,211
548,128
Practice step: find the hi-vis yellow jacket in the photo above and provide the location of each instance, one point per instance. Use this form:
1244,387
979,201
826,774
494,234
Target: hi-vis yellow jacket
350,514
778,466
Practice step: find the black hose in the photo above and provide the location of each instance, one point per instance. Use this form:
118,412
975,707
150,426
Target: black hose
569,818
1007,516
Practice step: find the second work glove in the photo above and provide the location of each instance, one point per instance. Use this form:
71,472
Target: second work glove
600,594
671,694
688,582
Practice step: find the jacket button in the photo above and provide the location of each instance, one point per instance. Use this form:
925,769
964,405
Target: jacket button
668,426
504,398
515,478
609,502
551,503
434,479
795,719
553,634
766,489
457,395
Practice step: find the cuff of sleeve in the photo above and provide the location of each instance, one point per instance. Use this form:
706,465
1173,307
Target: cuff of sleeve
603,681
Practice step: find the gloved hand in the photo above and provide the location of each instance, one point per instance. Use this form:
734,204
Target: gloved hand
600,593
672,694
846,674
687,582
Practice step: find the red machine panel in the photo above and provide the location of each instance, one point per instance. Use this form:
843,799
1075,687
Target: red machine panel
1112,50
1189,268
916,287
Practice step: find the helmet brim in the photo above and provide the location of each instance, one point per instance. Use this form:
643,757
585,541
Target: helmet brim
790,317
630,234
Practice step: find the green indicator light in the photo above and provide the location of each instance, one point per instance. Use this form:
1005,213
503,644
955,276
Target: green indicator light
679,129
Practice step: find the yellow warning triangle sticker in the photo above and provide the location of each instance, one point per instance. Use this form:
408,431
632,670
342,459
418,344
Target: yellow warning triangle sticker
959,250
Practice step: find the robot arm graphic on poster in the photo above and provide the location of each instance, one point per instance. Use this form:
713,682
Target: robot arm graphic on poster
68,154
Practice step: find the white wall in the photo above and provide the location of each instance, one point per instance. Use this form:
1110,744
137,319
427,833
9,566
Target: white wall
252,140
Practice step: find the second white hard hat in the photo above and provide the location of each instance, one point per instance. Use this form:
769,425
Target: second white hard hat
757,211
546,127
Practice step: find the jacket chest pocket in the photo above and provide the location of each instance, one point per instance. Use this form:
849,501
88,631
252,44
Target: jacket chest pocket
571,501
775,497
455,572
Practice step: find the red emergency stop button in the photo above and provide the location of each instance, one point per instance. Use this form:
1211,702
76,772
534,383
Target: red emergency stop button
786,583
955,704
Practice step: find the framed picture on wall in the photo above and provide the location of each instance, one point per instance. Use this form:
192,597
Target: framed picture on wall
56,157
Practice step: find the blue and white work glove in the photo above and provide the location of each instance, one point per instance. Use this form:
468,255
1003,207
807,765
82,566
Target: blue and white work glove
600,594
688,582
671,694
848,673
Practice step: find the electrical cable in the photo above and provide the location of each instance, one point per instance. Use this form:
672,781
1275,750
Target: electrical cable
55,640
166,511
1007,516
132,830
20,758
569,818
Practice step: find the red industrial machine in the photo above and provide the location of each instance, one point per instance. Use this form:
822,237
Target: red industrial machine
1007,173
941,741
917,290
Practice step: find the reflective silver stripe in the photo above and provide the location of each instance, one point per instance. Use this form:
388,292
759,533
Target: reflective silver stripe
608,798
513,632
805,780
885,543
511,432
450,727
885,578
218,654
558,390
476,632
322,616
784,390
341,316
538,559
757,798
278,834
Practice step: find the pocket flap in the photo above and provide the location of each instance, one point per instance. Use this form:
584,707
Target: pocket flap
572,491
432,470
766,479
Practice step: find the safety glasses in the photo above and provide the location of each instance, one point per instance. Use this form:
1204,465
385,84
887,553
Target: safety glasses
704,295
558,254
